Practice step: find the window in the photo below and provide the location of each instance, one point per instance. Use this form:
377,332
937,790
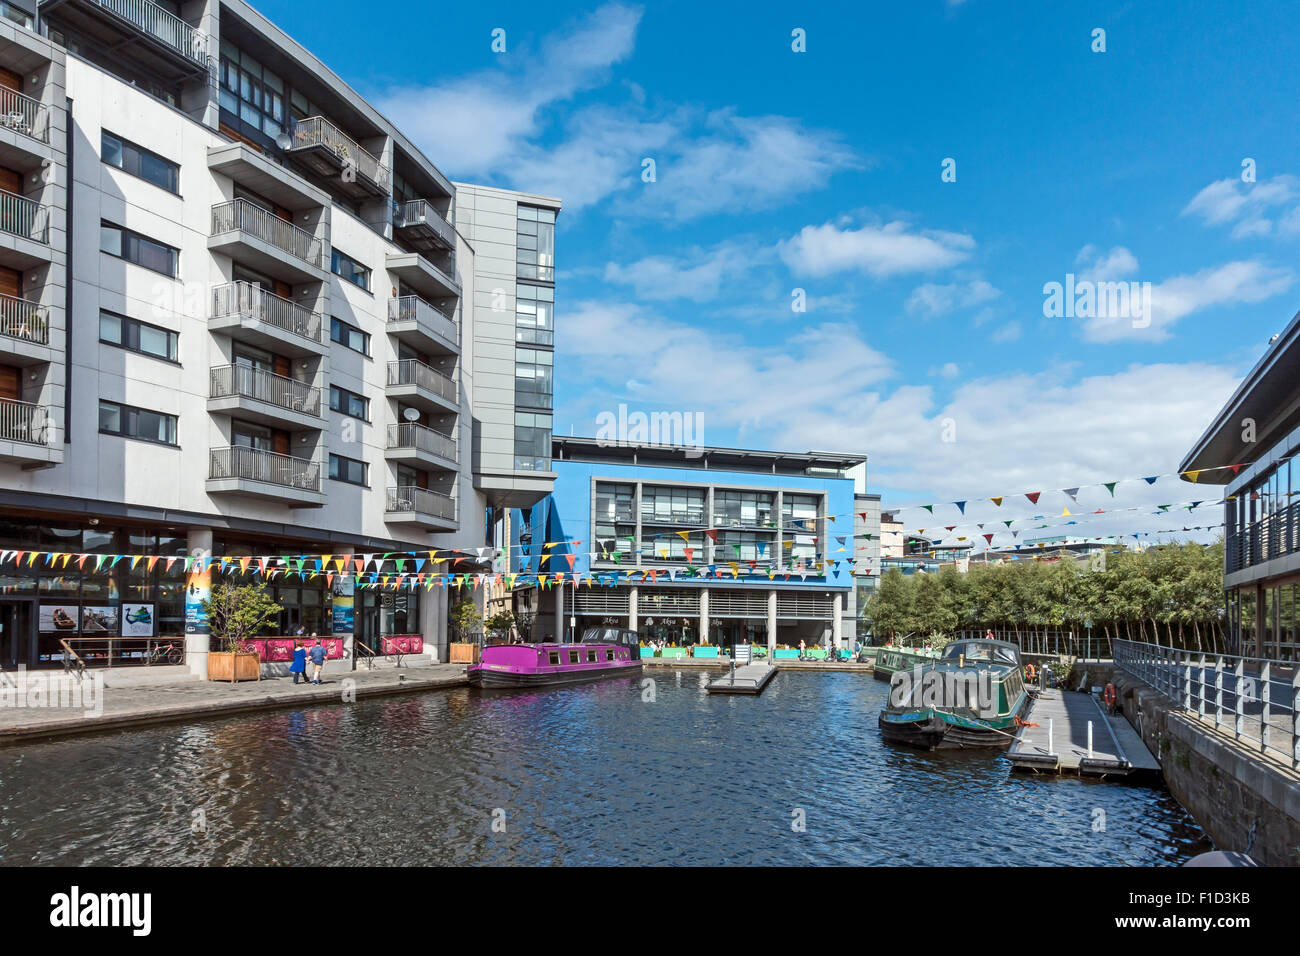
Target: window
742,508
141,423
532,441
138,161
534,385
534,315
133,247
137,336
535,244
665,505
250,94
349,403
349,335
615,517
348,469
348,269
554,657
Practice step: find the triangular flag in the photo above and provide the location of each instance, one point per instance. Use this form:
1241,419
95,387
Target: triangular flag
1033,496
1072,492
997,501
961,506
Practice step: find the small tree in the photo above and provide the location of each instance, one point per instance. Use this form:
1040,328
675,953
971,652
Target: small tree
465,617
236,614
499,624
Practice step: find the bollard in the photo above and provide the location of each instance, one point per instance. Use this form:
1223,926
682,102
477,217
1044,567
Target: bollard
1090,740
733,673
1051,737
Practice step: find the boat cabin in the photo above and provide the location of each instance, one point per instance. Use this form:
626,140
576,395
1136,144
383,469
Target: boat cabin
982,650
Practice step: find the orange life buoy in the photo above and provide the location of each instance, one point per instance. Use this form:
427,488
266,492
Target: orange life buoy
1030,672
1108,695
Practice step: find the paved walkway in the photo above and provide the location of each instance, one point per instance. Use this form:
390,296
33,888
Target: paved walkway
27,713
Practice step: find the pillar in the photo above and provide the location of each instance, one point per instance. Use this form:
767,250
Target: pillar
771,625
559,613
704,615
198,588
632,618
837,621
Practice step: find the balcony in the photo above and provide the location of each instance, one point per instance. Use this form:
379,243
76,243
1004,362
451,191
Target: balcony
251,313
24,331
264,397
24,232
27,434
27,117
422,275
264,176
423,386
408,504
414,444
264,241
423,326
332,154
423,226
138,31
265,474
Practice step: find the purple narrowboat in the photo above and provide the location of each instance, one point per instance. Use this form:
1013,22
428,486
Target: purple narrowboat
602,652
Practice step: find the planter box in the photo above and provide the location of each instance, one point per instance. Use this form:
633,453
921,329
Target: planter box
786,654
463,653
229,666
701,651
673,652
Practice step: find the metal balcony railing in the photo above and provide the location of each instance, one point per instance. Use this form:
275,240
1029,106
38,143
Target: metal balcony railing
413,372
228,381
414,500
151,19
421,438
249,298
24,422
25,115
318,131
418,212
1273,536
20,216
250,218
24,320
254,464
411,308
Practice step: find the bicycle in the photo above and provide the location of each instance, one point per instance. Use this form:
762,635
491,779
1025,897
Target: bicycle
164,654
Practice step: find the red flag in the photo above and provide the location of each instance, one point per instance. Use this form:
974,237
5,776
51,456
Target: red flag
570,557
689,552
1033,496
713,534
988,538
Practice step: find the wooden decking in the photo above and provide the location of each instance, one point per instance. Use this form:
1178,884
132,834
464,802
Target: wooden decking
746,679
1060,740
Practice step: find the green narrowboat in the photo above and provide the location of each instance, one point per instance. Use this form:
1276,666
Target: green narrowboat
972,696
891,659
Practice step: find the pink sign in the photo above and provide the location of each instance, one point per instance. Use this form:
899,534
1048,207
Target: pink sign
401,644
276,649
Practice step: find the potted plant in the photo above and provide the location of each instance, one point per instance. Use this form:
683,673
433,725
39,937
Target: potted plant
499,625
465,619
235,615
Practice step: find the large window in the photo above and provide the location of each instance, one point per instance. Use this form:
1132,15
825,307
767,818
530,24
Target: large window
133,247
348,469
532,441
752,508
615,516
534,385
348,269
535,242
138,161
137,336
349,335
669,505
349,403
251,93
142,423
534,314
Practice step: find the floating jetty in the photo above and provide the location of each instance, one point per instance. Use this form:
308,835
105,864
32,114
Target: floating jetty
1069,732
745,679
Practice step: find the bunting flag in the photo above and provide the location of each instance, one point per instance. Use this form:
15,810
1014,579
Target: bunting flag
1072,492
961,506
997,501
1033,496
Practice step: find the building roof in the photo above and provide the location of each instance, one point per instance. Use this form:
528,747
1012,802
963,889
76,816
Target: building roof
568,448
1270,395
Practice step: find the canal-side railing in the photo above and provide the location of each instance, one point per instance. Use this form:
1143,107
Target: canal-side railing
1254,699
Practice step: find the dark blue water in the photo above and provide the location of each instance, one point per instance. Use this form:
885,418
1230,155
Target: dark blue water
589,774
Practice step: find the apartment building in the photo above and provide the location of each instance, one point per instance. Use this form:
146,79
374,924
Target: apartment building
240,316
692,545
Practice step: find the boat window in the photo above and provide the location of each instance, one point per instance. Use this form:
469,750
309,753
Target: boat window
555,658
575,657
591,657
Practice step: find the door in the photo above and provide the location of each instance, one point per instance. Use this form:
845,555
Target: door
11,181
11,282
11,383
16,636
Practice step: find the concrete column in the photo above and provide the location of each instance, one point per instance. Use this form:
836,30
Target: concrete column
837,621
559,613
704,614
198,588
632,617
771,625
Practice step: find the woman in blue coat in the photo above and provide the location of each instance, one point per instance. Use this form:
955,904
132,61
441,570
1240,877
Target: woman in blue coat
299,666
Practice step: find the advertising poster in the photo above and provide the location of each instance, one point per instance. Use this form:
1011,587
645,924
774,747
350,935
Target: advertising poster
99,621
137,620
343,598
198,588
59,618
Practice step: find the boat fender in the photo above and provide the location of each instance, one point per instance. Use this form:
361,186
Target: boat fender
1108,695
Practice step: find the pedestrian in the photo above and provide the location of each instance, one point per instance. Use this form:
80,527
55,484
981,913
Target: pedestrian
989,635
299,666
317,655
802,648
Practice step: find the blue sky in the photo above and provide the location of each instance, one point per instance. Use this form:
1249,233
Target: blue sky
820,171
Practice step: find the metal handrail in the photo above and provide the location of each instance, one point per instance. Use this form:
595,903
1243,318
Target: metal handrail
411,498
415,372
24,422
25,320
412,308
421,438
249,298
161,24
318,131
370,654
72,662
226,381
1255,699
20,216
415,212
254,464
244,216
24,114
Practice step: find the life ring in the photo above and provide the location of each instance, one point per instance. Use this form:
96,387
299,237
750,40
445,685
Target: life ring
1030,672
1108,695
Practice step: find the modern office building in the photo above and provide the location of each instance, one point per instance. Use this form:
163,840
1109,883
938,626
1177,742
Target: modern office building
242,314
692,545
866,550
1249,448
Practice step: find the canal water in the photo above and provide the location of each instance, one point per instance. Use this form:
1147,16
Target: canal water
594,774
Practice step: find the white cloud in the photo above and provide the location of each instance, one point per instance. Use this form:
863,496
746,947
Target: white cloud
879,250
1007,333
1105,267
947,370
934,299
1249,206
698,275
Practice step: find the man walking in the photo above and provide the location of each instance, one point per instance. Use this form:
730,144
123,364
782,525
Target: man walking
317,655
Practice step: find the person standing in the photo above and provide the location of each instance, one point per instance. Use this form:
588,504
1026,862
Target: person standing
299,666
317,655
